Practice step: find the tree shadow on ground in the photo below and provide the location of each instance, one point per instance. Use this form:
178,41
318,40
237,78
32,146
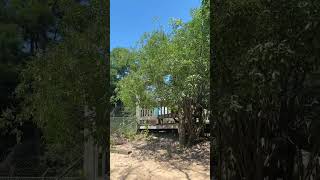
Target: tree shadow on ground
131,172
165,147
127,172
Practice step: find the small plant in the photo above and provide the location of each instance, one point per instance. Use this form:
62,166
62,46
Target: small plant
146,131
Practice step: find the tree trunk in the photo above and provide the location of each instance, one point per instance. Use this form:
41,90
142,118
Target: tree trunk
191,126
187,131
182,132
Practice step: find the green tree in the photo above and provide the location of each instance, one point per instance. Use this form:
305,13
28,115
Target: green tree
264,54
122,60
57,84
24,29
172,69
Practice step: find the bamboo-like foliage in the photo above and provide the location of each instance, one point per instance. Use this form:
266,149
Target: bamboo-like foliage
58,83
265,63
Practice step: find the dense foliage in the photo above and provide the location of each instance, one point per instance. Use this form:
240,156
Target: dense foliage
172,69
121,62
265,98
59,50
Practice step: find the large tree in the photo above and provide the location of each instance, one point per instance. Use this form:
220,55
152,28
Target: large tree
71,74
59,50
23,25
172,69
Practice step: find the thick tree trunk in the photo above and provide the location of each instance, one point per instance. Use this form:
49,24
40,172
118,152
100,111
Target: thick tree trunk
187,128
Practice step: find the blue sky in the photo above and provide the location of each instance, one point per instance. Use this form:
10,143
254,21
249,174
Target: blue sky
129,19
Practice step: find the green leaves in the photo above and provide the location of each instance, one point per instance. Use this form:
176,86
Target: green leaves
263,55
183,55
56,84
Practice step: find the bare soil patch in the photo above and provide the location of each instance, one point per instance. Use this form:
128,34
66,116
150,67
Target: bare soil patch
159,157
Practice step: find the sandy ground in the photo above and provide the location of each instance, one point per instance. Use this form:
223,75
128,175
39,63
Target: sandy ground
160,158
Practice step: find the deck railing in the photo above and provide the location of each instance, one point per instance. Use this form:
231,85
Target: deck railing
146,113
160,111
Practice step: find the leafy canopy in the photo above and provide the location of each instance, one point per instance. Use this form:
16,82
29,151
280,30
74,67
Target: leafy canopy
170,67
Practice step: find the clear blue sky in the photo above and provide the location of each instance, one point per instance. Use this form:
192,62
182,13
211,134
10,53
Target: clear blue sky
131,18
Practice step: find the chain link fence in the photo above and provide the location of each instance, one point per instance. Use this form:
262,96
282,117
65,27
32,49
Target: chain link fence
123,125
121,129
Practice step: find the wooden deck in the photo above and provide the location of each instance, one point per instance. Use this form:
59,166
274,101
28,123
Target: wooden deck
159,126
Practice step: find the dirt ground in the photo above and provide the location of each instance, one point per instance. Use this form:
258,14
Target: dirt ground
159,157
